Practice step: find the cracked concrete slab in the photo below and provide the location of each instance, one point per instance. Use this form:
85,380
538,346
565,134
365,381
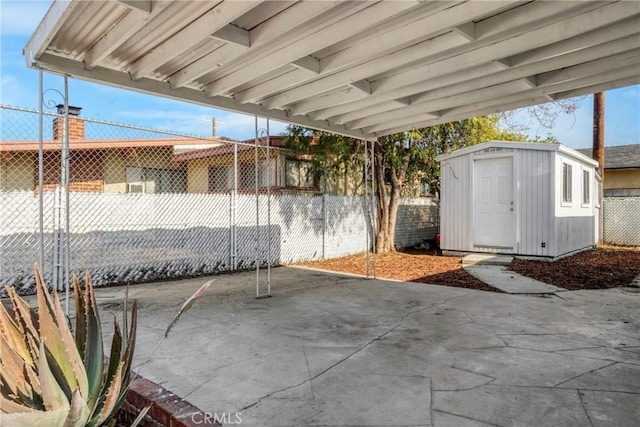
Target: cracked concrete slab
606,408
334,350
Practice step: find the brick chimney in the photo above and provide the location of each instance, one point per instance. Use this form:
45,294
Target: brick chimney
76,124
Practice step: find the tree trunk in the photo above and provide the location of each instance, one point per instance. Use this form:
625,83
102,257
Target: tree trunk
388,203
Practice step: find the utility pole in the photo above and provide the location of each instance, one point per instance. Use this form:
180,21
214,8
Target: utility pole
598,131
598,154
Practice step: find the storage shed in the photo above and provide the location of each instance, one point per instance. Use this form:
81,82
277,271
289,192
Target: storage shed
532,199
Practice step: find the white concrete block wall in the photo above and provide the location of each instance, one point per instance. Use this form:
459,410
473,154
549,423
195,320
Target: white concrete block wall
141,237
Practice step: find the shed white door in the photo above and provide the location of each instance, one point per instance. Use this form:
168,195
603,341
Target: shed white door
494,219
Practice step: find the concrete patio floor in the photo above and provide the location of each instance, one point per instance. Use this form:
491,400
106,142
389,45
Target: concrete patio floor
337,350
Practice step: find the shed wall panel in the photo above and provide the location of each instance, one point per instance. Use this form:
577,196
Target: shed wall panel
534,170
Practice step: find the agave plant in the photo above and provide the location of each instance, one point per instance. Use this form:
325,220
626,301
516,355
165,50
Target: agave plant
48,376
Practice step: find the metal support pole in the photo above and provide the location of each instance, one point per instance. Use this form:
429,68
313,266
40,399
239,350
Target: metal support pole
269,176
374,223
234,207
41,169
65,177
257,211
324,208
366,202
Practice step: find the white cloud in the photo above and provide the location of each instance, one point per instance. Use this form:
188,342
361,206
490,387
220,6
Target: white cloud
21,17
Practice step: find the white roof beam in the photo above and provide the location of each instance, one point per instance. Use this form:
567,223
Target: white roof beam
47,30
119,33
569,60
587,90
187,38
528,17
471,105
364,71
434,23
327,36
293,17
232,34
307,63
340,97
363,86
621,29
141,5
439,104
475,78
589,68
155,87
453,118
467,30
547,35
359,109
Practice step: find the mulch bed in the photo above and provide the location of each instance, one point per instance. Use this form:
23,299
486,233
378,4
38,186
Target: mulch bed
606,267
602,268
414,266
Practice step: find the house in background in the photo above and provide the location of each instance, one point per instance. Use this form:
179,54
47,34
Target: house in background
99,165
621,169
211,170
518,198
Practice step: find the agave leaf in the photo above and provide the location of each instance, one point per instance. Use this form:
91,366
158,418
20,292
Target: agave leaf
10,406
26,321
116,353
13,336
112,396
81,317
51,331
73,356
94,351
35,419
78,412
15,368
52,395
140,416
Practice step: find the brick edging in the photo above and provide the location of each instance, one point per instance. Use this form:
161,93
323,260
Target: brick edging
167,409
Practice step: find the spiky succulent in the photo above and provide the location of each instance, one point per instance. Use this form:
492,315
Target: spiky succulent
48,376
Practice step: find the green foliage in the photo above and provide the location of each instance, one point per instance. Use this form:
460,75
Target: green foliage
334,152
50,377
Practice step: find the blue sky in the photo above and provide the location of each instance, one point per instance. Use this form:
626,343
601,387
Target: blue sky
19,87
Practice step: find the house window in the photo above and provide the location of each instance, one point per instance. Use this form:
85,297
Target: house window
220,178
586,188
155,181
266,175
299,173
566,183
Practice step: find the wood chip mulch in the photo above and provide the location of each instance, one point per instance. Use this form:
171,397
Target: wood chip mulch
605,267
415,266
602,268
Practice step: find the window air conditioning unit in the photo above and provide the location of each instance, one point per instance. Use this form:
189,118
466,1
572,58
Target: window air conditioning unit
135,188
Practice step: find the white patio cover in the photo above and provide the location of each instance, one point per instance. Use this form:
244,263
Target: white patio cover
360,68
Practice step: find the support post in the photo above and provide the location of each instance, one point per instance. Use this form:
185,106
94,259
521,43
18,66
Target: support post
255,164
373,206
366,203
269,176
234,208
65,189
41,169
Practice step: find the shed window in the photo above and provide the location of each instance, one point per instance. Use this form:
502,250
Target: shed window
566,183
586,188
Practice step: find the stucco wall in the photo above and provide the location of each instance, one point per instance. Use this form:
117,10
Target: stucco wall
621,178
17,171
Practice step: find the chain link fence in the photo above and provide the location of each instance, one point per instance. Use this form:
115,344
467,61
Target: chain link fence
147,205
621,225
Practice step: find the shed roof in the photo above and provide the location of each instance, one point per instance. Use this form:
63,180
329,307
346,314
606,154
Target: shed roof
540,146
619,156
360,68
